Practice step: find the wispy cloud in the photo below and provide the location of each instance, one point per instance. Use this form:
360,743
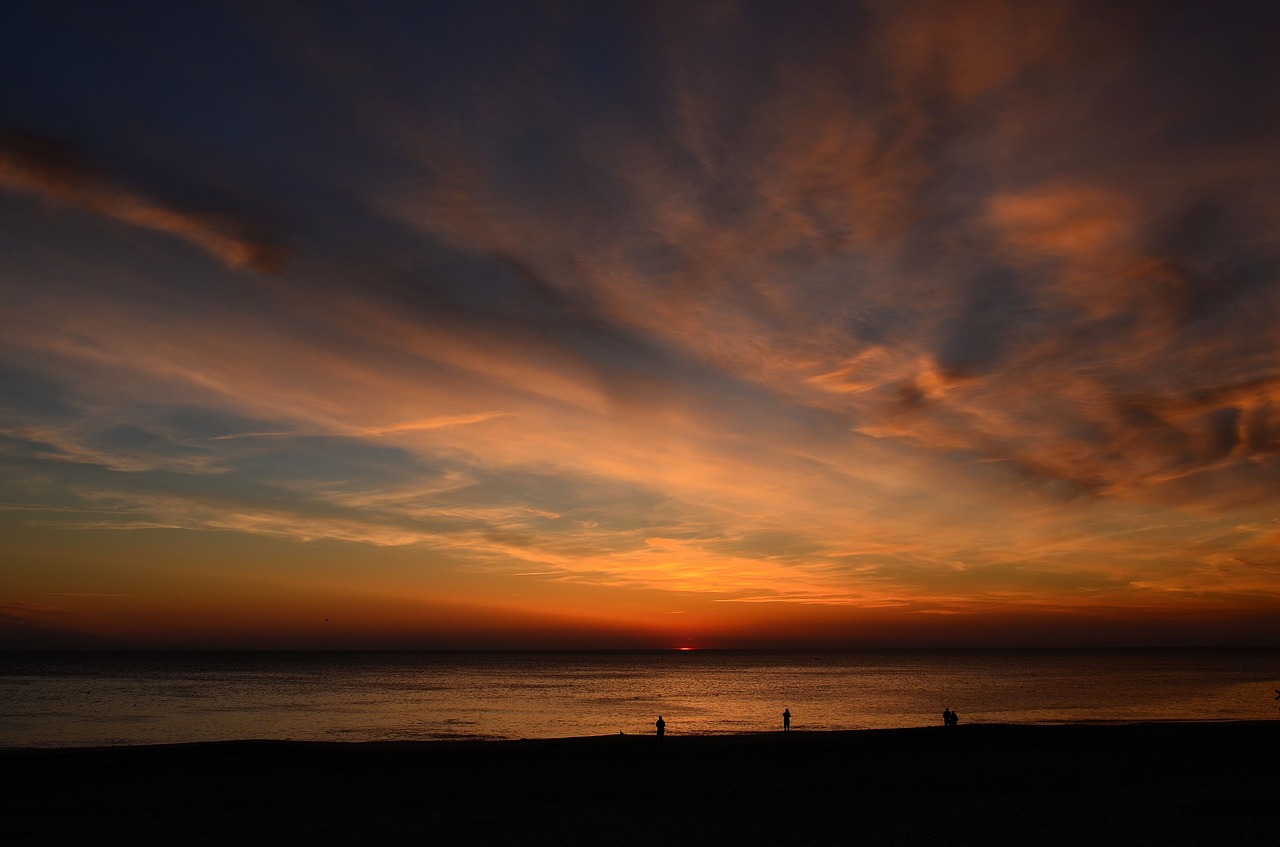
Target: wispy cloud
53,171
82,594
927,307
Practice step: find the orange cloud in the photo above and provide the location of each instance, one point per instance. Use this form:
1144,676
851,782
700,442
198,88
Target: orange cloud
886,317
1065,222
51,170
974,47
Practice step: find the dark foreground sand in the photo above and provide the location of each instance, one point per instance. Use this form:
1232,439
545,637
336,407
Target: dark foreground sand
1159,784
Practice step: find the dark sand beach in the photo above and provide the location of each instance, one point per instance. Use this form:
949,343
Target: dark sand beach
1169,783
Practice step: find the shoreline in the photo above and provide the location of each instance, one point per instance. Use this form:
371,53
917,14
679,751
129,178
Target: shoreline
671,733
1176,782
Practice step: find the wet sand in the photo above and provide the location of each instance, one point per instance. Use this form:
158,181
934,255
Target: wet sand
1167,784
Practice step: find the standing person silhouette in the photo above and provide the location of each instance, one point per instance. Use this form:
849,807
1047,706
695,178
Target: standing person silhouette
661,725
786,720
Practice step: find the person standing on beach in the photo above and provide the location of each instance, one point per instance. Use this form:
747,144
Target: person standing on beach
786,720
661,725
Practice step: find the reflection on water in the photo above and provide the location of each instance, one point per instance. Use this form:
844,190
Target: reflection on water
61,699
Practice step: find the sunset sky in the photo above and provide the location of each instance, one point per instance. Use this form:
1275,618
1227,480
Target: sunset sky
559,324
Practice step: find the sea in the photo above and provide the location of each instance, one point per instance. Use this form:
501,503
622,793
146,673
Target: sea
50,699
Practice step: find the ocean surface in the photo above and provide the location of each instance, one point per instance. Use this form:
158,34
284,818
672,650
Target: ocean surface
99,699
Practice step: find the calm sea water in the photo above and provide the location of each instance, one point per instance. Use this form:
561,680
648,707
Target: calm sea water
92,699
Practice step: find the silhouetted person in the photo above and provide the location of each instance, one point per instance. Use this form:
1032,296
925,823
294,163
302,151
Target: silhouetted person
662,726
786,720
946,716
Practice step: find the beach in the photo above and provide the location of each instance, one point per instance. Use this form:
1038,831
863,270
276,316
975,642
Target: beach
1166,783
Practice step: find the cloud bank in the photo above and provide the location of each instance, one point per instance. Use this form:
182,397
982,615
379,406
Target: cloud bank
948,309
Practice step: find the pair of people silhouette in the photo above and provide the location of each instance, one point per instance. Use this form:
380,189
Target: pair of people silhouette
949,718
